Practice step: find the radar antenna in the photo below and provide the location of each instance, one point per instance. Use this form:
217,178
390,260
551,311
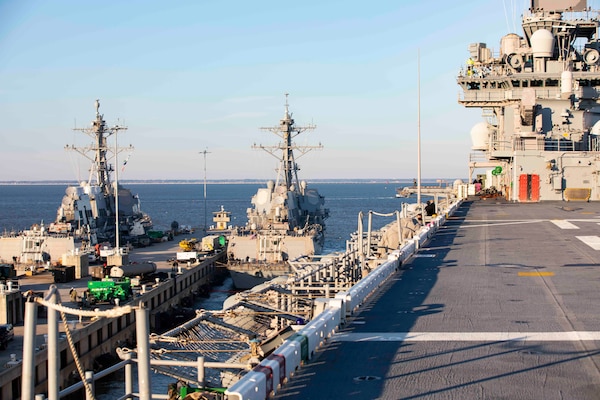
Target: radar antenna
284,151
96,152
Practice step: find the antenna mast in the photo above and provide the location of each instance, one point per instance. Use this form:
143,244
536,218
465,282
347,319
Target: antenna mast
287,130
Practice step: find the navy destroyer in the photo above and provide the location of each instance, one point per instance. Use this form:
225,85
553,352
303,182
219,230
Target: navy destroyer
86,217
540,138
286,220
92,206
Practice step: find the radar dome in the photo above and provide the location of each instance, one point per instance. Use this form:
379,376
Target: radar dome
479,136
542,43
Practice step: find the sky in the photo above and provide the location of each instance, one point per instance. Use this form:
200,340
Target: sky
206,75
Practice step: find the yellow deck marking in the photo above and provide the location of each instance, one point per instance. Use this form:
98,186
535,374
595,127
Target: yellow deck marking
536,273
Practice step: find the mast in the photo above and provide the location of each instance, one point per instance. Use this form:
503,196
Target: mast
419,134
205,152
287,130
96,152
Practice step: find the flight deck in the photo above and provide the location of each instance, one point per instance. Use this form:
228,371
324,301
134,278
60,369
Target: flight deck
500,304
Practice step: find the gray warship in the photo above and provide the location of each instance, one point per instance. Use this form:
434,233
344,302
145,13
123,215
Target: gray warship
539,95
91,207
86,217
286,220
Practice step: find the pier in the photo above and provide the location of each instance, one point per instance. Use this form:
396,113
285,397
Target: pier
95,338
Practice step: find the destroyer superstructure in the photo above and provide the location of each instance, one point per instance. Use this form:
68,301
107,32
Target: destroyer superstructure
540,100
92,206
86,216
286,220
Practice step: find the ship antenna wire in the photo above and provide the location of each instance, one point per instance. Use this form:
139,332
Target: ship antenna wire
506,15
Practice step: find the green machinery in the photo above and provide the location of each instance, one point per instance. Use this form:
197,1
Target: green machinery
107,290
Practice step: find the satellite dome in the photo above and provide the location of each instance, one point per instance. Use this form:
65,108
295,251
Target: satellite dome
480,136
542,43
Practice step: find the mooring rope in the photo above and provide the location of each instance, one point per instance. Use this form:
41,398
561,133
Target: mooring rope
112,313
86,384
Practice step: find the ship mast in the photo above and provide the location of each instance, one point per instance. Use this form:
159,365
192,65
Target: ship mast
96,152
287,130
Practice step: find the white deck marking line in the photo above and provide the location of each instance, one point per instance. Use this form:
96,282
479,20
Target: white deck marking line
592,241
571,336
562,224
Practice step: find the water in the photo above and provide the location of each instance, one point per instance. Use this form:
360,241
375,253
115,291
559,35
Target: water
24,205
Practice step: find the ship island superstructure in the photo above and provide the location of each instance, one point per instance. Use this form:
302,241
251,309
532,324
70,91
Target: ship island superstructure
539,97
286,220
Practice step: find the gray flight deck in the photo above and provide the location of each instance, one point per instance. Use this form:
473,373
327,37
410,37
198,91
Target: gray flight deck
503,303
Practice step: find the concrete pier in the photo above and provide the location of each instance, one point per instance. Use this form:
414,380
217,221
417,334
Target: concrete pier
93,337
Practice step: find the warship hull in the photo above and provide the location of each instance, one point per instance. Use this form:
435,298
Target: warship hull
286,220
247,270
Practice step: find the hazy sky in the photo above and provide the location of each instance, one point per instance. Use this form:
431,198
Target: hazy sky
185,76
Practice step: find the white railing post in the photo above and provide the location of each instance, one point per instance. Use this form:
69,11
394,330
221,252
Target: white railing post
128,374
28,373
89,380
53,354
143,351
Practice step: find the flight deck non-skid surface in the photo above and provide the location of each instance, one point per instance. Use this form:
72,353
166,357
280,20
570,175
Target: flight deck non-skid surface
502,303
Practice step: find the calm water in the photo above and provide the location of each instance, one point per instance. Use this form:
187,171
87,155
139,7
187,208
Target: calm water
22,206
